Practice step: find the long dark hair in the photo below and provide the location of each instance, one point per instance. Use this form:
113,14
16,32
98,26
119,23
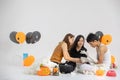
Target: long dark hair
66,40
76,41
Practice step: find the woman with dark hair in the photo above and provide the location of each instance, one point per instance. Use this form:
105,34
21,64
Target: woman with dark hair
77,50
62,50
78,46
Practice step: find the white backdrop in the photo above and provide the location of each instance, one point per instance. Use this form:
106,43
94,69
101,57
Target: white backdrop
53,19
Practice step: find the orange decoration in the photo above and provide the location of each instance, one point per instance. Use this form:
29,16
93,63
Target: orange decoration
29,61
112,59
55,70
44,71
100,72
20,37
106,39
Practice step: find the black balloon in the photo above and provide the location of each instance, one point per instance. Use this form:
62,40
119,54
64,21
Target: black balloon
12,36
99,34
35,37
29,37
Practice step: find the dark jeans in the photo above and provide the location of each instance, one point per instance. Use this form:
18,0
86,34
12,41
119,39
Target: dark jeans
67,67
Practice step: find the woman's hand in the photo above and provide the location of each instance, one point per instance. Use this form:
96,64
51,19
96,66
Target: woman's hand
78,60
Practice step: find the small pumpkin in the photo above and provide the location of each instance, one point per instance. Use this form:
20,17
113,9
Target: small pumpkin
44,71
100,72
55,69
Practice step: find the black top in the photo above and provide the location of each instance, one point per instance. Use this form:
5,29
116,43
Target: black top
75,54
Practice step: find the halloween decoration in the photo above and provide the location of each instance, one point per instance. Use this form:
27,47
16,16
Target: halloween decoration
99,34
44,71
106,39
20,37
29,60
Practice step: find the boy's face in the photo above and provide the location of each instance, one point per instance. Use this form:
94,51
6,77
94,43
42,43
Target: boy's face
93,43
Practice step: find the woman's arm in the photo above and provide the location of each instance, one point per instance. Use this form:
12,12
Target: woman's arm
67,56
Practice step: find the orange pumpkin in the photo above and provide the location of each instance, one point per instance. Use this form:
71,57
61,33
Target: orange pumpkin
100,72
55,70
44,71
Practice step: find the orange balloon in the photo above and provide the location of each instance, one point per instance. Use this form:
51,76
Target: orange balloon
112,59
106,39
28,61
20,37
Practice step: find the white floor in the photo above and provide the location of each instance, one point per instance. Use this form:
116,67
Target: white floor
17,73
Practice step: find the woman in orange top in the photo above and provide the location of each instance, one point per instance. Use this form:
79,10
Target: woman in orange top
62,50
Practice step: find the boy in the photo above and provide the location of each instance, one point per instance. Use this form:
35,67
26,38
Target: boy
103,53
